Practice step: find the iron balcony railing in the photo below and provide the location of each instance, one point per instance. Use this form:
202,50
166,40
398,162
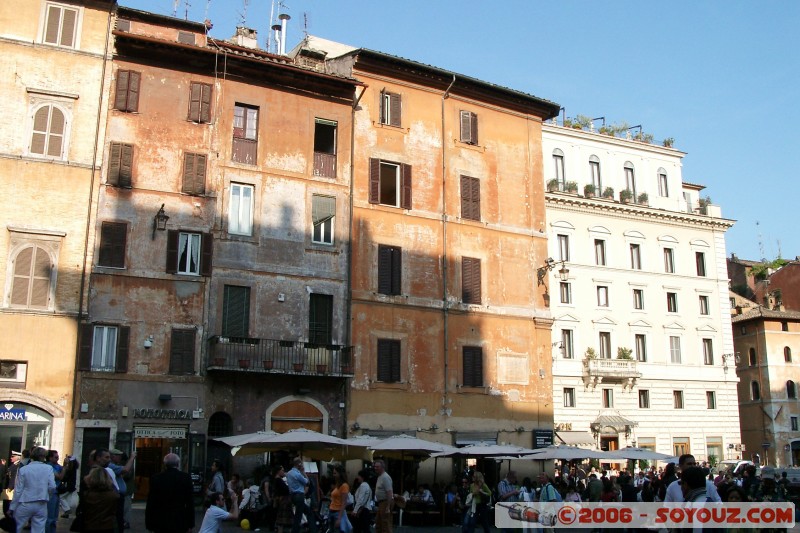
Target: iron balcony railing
279,356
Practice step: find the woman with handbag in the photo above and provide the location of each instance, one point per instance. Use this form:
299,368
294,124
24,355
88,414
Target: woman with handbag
338,508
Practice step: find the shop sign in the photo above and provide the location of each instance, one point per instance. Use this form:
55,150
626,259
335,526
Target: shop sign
7,413
542,438
159,433
180,414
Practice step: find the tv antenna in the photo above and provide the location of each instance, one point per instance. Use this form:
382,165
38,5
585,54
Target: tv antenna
760,242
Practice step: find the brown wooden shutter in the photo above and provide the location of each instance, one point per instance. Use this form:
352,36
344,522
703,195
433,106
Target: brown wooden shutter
384,269
173,240
22,276
389,360
395,361
39,137
188,173
471,280
374,180
181,356
85,356
397,268
473,131
236,311
205,106
473,366
114,163
466,123
195,94
466,196
113,237
133,91
206,254
382,119
40,278
121,95
125,165
405,199
53,22
58,125
123,344
200,174
394,110
68,27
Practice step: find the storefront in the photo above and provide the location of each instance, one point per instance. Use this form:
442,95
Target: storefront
23,426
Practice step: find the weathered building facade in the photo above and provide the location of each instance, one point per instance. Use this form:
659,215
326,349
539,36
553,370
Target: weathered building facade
218,290
450,330
53,76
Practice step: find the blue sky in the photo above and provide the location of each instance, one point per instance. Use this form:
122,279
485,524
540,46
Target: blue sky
721,77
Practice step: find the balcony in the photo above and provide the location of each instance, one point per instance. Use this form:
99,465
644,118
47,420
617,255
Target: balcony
324,165
595,371
270,356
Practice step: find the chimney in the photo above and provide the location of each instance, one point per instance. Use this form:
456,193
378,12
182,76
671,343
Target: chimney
283,18
276,28
246,37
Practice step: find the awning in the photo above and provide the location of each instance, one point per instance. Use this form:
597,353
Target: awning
614,422
465,438
576,438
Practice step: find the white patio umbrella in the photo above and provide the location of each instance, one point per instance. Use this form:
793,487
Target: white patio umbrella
486,450
303,441
401,446
566,453
637,454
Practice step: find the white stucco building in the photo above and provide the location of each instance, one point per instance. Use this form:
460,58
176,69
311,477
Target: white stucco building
647,278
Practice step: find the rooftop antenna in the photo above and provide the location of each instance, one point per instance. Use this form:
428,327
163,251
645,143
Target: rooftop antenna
305,24
243,14
760,242
271,24
175,4
208,7
186,6
780,254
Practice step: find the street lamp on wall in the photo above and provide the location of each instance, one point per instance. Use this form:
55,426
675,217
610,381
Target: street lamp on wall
726,357
550,264
160,221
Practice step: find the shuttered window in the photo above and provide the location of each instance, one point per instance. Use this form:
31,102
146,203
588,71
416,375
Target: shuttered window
49,129
389,360
113,238
470,198
236,311
390,109
60,26
389,183
200,102
469,127
320,318
390,266
126,97
104,348
471,280
194,173
473,366
120,165
189,253
245,134
33,269
181,351
323,214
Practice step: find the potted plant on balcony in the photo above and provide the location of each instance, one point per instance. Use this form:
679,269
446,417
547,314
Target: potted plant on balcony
298,366
704,203
244,363
218,361
322,368
625,196
624,353
571,186
552,185
268,364
668,142
608,192
642,199
589,190
590,354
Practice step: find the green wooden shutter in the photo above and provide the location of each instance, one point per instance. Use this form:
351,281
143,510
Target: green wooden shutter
236,311
320,318
182,351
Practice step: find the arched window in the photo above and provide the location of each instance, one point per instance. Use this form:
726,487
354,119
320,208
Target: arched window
630,178
220,424
594,171
49,126
787,354
752,354
33,268
663,189
755,390
791,390
558,159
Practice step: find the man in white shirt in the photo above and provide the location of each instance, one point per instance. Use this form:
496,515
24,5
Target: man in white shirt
35,483
674,492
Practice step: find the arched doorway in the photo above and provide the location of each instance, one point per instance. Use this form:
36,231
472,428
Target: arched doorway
297,413
23,426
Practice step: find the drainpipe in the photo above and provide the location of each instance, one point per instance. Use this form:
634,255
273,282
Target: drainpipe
445,95
82,288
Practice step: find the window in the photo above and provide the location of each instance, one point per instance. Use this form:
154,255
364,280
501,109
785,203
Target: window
608,398
113,239
680,446
599,252
473,366
605,344
200,102
104,348
794,423
186,37
563,247
13,372
49,130
189,253
755,390
126,97
323,215
663,190
672,302
640,344
669,261
602,296
470,280
791,390
120,164
752,357
181,351
638,299
630,179
194,173
389,269
787,354
390,109
236,311
784,325
700,261
708,351
32,279
60,26
325,148
594,171
389,183
320,318
469,127
569,397
677,399
388,360
565,288
558,160
636,257
567,344
245,134
644,399
240,212
705,308
675,349
470,198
